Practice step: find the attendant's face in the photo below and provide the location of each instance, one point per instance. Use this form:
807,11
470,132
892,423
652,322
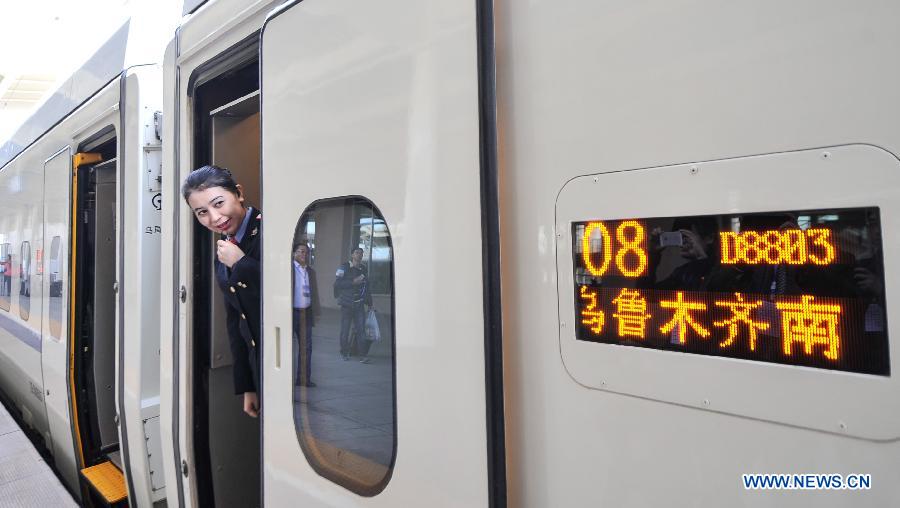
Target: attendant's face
218,209
356,256
301,255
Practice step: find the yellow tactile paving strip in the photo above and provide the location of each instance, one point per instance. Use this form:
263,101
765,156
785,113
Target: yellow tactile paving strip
107,480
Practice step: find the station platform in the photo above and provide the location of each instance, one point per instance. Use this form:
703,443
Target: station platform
25,479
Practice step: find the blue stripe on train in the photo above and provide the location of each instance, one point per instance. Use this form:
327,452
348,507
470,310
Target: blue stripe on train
21,332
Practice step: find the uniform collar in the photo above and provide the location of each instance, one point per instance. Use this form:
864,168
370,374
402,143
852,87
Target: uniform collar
239,236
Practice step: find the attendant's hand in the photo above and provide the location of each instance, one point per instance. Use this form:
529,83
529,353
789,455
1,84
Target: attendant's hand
228,253
359,279
692,248
251,404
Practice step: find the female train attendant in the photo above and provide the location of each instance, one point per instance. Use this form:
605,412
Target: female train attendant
218,203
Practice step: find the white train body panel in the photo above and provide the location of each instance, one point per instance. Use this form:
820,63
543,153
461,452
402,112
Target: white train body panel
592,88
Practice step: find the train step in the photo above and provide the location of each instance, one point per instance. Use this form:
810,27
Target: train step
107,480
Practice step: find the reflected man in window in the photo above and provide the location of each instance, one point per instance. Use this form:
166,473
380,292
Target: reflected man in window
5,275
306,306
351,288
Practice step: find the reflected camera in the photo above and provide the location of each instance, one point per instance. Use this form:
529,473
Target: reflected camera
671,239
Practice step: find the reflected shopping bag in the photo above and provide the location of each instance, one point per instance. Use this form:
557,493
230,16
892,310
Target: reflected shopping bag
373,332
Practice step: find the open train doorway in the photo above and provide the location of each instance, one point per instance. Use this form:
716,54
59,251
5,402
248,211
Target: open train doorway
226,440
94,223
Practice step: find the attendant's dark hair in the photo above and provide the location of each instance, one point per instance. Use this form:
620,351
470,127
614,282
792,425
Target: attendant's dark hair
208,177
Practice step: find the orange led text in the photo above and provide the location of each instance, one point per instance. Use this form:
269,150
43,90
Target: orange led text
773,247
740,314
591,315
631,310
630,257
682,317
810,324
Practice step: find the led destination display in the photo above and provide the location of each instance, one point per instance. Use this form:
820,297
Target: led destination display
798,287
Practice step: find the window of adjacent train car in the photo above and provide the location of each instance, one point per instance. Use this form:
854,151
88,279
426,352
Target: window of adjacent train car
56,288
5,276
343,323
25,281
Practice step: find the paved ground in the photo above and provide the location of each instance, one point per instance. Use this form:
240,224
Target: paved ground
25,479
352,405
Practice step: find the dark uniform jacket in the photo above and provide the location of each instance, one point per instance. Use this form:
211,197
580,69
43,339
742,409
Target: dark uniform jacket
241,286
348,293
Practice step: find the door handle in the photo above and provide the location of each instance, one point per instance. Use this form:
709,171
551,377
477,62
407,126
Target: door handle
278,347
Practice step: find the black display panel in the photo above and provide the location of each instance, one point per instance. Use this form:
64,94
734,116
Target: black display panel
798,287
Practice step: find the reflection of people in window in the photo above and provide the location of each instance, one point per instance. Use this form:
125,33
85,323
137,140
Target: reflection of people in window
697,247
351,287
5,278
25,272
306,306
218,203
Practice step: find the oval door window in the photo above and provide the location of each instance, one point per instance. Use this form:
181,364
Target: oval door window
25,281
343,342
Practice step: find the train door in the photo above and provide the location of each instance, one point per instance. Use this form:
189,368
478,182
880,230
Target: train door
376,314
55,352
93,335
225,440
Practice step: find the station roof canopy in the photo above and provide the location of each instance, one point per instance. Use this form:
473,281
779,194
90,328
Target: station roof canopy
106,63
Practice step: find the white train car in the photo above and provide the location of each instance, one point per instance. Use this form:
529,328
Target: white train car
625,255
524,150
79,288
682,109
